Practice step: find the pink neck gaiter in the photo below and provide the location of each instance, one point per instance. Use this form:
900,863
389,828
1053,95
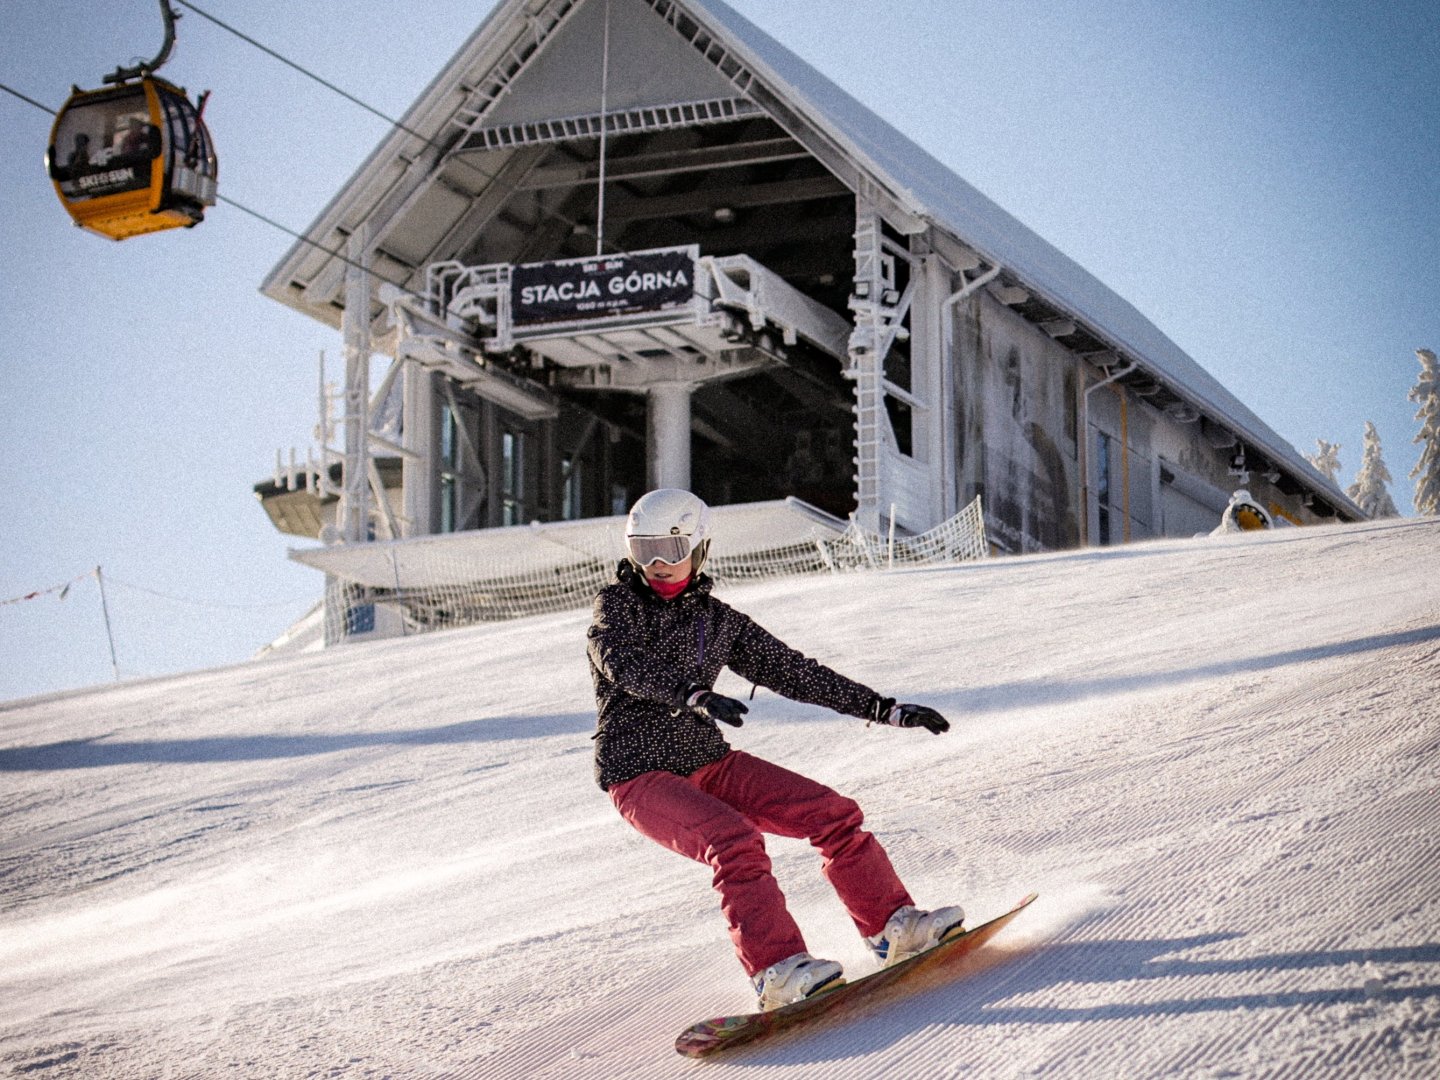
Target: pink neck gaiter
668,590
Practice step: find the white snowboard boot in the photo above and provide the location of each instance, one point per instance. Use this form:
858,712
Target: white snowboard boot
794,978
912,931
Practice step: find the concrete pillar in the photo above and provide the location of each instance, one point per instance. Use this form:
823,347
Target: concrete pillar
420,474
667,449
355,328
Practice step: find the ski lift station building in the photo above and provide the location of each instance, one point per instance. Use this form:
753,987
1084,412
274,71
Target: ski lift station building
621,244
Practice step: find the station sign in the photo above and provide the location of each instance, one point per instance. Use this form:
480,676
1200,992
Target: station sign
574,290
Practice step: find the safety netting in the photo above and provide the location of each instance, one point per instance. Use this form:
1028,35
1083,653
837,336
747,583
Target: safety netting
394,588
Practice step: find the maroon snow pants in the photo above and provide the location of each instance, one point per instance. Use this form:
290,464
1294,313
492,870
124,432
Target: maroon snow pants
717,816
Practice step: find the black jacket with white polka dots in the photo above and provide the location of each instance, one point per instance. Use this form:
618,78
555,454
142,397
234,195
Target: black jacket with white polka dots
647,655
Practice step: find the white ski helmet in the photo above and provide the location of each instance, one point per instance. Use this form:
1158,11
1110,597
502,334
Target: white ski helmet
668,524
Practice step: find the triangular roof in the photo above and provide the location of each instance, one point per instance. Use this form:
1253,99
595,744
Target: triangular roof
919,183
649,65
931,190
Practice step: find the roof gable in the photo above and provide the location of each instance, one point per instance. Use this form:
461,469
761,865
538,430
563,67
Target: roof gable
649,65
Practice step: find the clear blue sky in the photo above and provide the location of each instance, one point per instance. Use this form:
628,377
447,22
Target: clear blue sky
1260,178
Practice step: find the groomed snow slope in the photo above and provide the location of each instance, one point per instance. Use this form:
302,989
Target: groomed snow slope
1215,759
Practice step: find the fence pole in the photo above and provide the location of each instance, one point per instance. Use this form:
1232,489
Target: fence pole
109,634
890,544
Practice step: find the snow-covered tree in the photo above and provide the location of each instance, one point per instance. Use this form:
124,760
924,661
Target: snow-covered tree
1426,393
1371,490
1326,459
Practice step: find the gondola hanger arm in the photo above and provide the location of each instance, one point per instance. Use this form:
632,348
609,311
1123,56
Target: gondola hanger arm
124,74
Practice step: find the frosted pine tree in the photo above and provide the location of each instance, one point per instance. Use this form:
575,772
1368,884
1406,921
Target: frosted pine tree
1426,393
1326,459
1371,490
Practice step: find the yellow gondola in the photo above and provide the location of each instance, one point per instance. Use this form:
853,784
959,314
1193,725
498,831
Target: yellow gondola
135,157
132,159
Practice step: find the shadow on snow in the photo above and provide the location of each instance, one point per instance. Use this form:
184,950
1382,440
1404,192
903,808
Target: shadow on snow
1031,692
98,753
976,992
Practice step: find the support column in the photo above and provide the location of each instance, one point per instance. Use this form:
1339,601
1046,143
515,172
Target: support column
420,473
668,444
930,364
355,327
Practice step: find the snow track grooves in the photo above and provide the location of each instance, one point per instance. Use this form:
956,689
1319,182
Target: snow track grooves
1218,762
1343,736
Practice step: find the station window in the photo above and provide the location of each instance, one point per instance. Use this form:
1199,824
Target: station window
571,487
1103,486
902,423
449,458
512,469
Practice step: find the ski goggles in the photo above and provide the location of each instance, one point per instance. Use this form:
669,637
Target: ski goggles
667,549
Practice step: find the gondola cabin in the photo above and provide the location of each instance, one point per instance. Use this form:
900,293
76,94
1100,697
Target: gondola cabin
131,159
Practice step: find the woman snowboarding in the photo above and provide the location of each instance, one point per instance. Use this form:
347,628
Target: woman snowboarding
657,642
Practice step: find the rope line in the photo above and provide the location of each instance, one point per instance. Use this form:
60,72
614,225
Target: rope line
62,589
209,604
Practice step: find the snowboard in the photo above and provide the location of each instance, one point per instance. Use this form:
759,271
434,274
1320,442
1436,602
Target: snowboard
723,1032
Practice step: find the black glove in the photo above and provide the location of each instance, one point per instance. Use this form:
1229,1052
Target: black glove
885,711
713,706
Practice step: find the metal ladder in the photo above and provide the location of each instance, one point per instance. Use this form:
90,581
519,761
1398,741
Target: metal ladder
879,313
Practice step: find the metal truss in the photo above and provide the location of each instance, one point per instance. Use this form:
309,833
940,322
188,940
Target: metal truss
624,122
542,24
704,42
